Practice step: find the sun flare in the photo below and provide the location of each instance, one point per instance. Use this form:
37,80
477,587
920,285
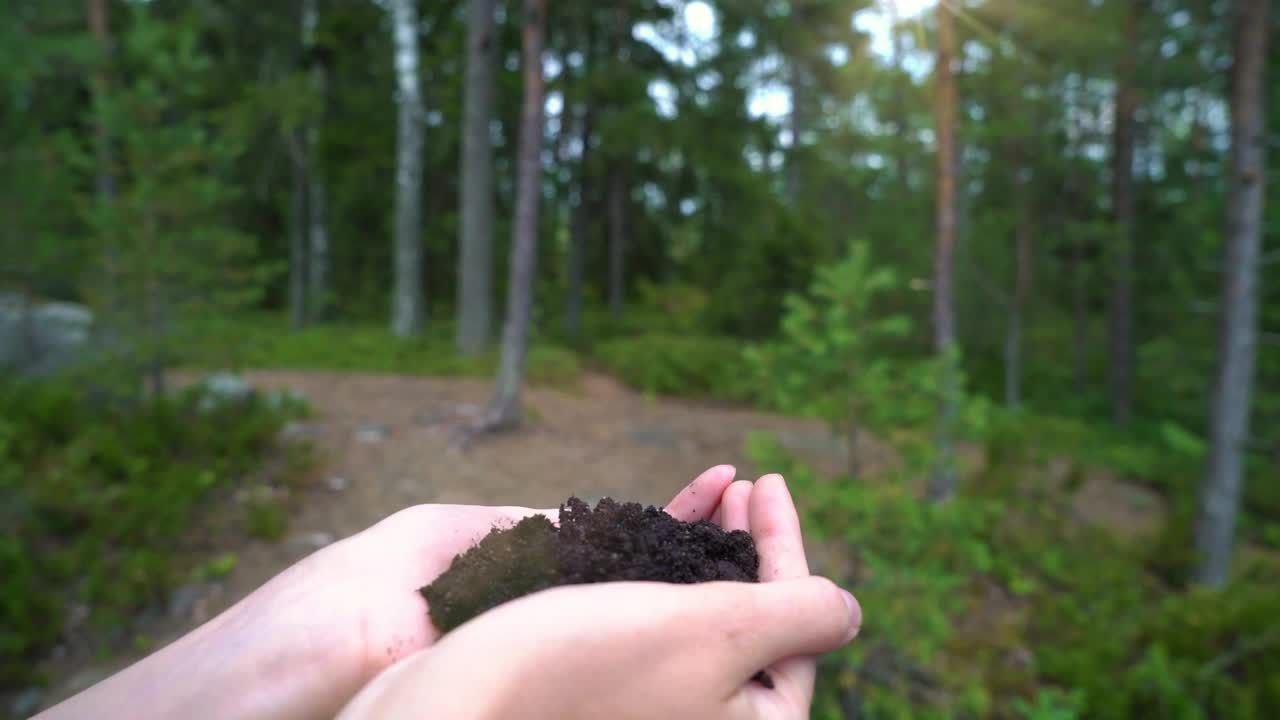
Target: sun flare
911,8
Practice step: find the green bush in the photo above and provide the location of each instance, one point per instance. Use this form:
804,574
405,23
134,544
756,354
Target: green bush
1098,634
687,365
95,499
266,342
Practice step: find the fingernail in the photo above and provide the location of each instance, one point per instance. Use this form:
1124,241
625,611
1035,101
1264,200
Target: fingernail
733,471
855,614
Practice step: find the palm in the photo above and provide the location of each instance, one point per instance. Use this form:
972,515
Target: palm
360,596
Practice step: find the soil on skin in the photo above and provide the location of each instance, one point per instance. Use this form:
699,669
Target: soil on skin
615,541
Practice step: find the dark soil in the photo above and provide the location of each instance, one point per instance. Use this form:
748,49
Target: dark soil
615,541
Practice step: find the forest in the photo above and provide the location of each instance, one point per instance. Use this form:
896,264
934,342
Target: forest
987,278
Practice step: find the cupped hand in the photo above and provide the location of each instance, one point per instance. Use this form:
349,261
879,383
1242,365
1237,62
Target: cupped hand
355,608
640,650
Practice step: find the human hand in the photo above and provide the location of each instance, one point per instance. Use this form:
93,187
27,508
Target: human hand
640,650
303,644
361,595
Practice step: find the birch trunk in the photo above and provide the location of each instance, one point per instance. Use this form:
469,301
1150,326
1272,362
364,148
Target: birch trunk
475,261
407,311
1229,430
317,276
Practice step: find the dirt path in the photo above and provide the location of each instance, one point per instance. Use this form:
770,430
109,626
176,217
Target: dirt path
384,444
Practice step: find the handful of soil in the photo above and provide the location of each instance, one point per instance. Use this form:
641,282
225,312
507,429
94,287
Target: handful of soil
615,541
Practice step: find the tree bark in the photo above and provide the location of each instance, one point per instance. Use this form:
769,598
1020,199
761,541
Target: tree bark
100,26
297,236
943,480
1121,342
617,240
475,261
1022,282
407,310
317,276
578,226
505,410
1220,491
1079,316
899,104
798,122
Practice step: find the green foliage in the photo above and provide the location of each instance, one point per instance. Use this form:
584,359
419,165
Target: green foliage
840,357
166,253
689,365
96,499
264,341
954,593
268,520
830,359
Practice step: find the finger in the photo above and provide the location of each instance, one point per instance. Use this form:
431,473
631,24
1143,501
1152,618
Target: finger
700,498
760,625
775,527
734,509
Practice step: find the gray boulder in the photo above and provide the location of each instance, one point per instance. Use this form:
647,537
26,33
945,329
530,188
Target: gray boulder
38,339
224,388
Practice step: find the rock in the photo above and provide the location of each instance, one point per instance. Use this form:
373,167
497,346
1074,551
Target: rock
313,540
284,399
26,703
76,615
182,600
337,483
87,678
38,339
295,430
222,389
371,433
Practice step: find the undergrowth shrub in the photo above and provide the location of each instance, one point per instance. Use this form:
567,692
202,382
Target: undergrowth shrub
669,364
1000,604
94,500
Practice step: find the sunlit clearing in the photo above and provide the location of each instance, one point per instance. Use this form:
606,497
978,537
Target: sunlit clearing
911,8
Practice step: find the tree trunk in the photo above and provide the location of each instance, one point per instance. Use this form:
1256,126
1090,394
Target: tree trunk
899,105
104,178
1021,285
317,276
1076,209
1079,316
578,227
407,311
617,240
505,410
1121,363
798,122
297,236
1229,430
943,481
475,261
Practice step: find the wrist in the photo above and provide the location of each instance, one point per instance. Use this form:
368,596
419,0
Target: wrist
251,661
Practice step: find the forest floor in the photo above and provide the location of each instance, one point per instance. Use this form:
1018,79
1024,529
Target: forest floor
384,442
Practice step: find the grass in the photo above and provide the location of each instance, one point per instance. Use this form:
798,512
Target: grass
266,342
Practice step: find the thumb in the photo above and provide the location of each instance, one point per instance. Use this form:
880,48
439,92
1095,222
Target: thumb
788,618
